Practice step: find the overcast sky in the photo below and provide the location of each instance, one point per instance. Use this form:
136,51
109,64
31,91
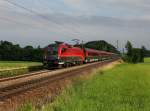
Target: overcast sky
40,22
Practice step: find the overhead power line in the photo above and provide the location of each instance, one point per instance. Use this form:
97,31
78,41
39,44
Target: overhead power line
50,8
27,9
12,21
33,12
21,23
41,16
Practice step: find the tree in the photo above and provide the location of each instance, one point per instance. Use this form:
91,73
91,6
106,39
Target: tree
134,55
143,53
137,55
129,48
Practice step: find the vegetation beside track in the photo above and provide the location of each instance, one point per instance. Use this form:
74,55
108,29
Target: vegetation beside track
123,88
147,60
12,68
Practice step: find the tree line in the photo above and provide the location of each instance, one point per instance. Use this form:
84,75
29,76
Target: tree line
13,52
10,51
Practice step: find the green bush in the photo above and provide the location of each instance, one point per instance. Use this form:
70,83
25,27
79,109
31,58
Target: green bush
133,55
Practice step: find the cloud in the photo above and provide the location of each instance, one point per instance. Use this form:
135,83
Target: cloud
116,8
73,2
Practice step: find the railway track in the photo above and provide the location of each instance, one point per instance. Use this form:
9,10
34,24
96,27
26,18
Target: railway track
12,86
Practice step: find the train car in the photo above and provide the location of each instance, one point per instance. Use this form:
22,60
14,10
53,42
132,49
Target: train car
92,55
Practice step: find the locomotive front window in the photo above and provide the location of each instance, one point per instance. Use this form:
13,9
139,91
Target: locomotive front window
52,50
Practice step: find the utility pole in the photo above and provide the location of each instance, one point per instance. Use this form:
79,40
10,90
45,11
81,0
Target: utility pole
123,52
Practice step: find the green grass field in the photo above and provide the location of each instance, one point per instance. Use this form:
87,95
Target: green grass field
17,64
123,88
147,60
12,68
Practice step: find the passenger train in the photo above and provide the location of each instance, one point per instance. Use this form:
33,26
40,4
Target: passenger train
65,55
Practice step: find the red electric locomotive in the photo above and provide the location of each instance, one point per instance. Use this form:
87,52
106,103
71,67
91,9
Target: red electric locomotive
62,54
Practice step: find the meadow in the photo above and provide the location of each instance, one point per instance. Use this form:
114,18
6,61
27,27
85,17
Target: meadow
17,64
125,87
147,60
11,68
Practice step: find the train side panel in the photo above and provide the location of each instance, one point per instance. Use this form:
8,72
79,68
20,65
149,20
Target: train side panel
71,55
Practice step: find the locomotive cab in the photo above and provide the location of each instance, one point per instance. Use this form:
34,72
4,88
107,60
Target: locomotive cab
51,55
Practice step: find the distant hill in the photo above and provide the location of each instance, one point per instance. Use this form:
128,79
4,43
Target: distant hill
101,45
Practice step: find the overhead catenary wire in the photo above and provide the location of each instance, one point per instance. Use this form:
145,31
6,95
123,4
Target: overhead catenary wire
74,24
61,28
14,21
39,15
21,23
27,9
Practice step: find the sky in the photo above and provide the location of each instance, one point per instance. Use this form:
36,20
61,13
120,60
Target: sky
40,22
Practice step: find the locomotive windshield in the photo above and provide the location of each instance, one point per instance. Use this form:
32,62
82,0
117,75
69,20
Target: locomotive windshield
52,49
